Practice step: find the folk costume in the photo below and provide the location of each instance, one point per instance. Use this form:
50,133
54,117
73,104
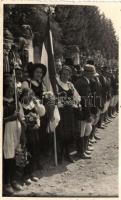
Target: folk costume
11,141
38,88
114,99
96,105
83,87
32,111
68,100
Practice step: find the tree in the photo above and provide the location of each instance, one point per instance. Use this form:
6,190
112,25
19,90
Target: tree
86,27
72,26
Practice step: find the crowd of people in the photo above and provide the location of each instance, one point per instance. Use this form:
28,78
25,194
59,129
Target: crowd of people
87,99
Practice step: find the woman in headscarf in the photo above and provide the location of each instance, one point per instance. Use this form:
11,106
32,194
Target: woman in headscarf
68,101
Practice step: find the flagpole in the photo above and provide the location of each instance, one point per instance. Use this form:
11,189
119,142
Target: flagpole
54,133
15,89
15,84
16,99
55,149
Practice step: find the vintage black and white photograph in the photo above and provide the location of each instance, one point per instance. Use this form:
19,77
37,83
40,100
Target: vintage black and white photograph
60,100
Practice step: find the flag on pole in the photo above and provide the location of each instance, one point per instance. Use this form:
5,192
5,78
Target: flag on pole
47,58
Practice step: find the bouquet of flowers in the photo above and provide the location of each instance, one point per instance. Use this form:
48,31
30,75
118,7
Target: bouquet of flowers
49,100
31,119
22,157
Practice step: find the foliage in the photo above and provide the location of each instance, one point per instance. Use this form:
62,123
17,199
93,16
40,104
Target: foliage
72,26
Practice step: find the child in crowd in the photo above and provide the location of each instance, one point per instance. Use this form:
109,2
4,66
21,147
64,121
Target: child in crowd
33,110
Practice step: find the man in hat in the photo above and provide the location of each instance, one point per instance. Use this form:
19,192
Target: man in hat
76,74
108,87
96,89
105,79
83,87
69,62
113,94
116,91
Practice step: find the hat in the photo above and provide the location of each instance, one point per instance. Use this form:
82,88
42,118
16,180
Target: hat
90,70
77,67
104,69
32,67
90,62
69,62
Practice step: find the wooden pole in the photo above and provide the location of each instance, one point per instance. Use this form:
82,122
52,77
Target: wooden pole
55,149
16,99
54,134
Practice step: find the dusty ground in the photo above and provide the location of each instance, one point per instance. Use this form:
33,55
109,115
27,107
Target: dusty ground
95,177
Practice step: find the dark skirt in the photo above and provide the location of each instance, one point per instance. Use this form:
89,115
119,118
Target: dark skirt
69,124
44,136
33,145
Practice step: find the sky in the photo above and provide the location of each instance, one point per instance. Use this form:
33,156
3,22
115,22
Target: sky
112,12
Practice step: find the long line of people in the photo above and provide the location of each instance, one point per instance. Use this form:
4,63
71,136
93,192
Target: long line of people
86,100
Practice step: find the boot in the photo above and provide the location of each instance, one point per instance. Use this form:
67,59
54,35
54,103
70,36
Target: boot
80,149
114,112
110,112
99,125
90,148
78,145
16,186
86,141
61,154
92,138
88,152
92,141
8,190
67,155
34,169
87,148
92,132
90,144
86,156
97,137
82,153
117,108
106,117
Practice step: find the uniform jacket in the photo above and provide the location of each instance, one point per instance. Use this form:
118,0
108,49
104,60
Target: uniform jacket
96,90
84,90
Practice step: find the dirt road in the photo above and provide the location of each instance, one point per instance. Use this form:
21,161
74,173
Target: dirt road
95,177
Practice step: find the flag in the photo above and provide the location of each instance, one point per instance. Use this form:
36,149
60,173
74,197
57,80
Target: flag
47,58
